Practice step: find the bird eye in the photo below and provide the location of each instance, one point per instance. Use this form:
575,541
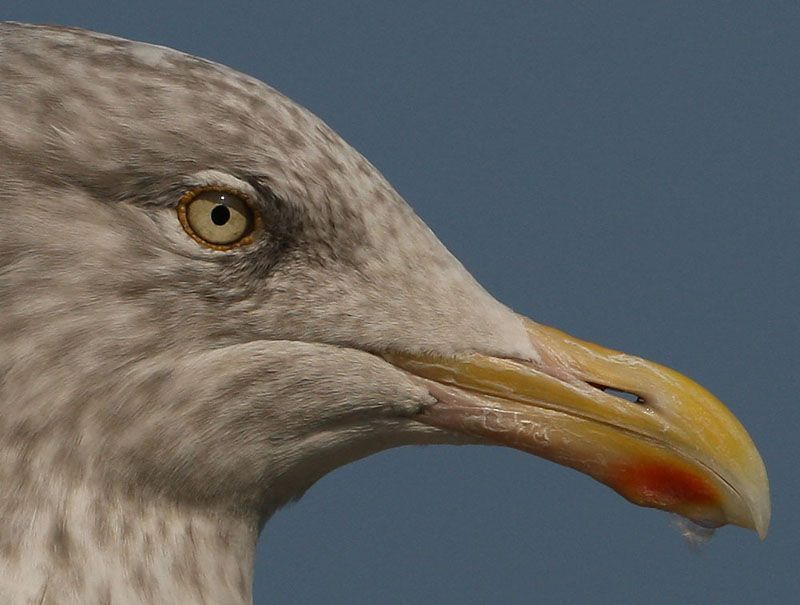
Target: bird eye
217,219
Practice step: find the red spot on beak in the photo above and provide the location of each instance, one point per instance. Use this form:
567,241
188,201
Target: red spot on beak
655,483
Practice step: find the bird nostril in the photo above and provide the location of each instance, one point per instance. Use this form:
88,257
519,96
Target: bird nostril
627,395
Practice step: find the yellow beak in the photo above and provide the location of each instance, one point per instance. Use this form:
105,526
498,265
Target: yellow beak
672,445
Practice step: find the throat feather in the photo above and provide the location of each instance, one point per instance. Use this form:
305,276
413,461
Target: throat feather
98,548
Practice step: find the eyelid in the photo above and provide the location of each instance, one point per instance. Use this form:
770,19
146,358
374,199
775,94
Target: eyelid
216,179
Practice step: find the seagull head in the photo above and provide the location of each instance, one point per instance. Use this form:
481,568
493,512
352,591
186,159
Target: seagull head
208,296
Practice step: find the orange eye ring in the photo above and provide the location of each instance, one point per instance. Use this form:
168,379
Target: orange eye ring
219,218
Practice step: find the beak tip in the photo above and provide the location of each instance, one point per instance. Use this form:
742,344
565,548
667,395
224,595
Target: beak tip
761,524
758,501
761,515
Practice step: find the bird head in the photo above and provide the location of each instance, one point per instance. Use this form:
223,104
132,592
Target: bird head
209,296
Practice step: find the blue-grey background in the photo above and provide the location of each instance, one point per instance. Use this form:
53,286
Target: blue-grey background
626,171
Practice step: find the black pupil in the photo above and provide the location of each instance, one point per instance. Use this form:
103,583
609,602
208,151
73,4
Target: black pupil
220,215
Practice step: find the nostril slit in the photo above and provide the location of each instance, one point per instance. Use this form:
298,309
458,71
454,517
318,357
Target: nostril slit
629,396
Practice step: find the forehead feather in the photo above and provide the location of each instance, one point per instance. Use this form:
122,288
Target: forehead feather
116,106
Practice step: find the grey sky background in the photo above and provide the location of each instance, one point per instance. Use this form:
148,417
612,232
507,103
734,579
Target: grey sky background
625,171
